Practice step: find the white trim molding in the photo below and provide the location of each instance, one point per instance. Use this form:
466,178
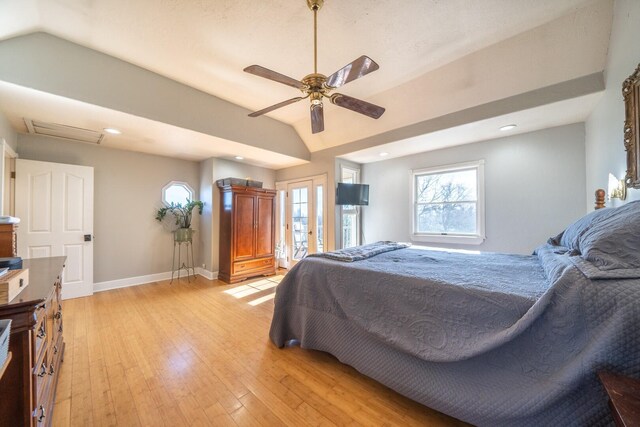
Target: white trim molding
464,239
146,279
211,275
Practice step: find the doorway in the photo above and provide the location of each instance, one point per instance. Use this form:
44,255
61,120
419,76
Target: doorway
301,214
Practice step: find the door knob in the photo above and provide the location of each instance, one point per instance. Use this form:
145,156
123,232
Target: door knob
310,232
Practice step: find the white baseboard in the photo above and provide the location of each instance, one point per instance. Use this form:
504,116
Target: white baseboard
149,278
211,275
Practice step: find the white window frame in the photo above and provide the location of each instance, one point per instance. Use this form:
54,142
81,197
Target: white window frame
465,239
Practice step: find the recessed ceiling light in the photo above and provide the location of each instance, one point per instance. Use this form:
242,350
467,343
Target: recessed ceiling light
384,154
112,131
508,127
239,158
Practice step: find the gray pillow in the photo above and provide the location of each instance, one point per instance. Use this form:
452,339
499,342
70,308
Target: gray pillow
570,238
612,242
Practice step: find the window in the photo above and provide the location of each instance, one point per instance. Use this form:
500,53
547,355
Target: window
448,204
350,216
176,192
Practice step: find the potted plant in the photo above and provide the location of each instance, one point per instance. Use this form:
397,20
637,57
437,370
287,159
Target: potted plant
183,215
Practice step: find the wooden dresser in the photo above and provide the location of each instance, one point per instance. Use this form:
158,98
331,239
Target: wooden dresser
247,232
27,388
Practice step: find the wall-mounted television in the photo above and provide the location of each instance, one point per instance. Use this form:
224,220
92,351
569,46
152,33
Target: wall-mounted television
352,194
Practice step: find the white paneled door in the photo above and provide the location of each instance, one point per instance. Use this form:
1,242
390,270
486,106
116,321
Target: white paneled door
54,202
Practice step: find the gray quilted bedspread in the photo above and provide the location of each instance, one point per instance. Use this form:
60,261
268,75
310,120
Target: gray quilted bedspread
491,339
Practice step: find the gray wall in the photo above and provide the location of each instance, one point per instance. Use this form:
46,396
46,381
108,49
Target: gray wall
129,242
604,141
534,187
212,170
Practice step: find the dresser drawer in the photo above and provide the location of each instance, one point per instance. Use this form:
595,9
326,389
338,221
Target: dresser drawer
41,375
256,264
57,322
41,333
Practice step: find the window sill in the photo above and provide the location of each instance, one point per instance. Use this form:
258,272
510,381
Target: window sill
449,238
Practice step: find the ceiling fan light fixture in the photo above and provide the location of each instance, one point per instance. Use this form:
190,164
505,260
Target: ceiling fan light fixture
316,86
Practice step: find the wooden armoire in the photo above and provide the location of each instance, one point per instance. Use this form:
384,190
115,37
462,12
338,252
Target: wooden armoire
247,232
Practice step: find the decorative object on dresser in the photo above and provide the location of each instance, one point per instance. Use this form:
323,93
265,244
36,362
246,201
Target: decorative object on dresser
28,386
631,94
8,240
247,232
600,194
12,283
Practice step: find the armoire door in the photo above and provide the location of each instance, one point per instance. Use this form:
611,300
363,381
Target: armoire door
244,226
265,230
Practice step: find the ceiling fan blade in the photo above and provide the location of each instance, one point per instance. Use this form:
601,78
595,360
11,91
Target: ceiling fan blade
317,118
273,75
357,105
358,68
276,106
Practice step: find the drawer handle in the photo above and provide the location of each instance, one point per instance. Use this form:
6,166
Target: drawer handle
42,415
51,369
43,371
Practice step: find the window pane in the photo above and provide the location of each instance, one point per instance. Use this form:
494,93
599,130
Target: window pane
177,193
459,218
453,186
319,220
300,228
349,230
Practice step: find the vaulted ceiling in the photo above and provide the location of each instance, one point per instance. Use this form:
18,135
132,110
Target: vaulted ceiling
436,57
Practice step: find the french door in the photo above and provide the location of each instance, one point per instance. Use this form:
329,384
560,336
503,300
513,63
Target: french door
300,229
302,225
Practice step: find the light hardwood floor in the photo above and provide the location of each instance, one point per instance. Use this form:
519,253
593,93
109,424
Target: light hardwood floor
198,353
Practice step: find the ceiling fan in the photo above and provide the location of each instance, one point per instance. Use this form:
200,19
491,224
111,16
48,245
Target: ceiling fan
317,86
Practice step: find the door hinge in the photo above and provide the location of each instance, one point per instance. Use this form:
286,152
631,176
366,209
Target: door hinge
13,175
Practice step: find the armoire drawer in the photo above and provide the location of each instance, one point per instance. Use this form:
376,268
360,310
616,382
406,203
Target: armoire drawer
256,264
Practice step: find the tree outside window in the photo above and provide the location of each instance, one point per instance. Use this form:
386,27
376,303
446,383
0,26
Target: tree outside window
448,204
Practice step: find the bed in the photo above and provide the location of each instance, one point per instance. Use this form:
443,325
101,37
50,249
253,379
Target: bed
491,339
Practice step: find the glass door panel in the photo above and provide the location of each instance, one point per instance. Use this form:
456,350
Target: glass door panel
300,221
319,219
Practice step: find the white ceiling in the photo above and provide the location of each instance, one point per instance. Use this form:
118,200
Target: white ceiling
566,112
207,43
